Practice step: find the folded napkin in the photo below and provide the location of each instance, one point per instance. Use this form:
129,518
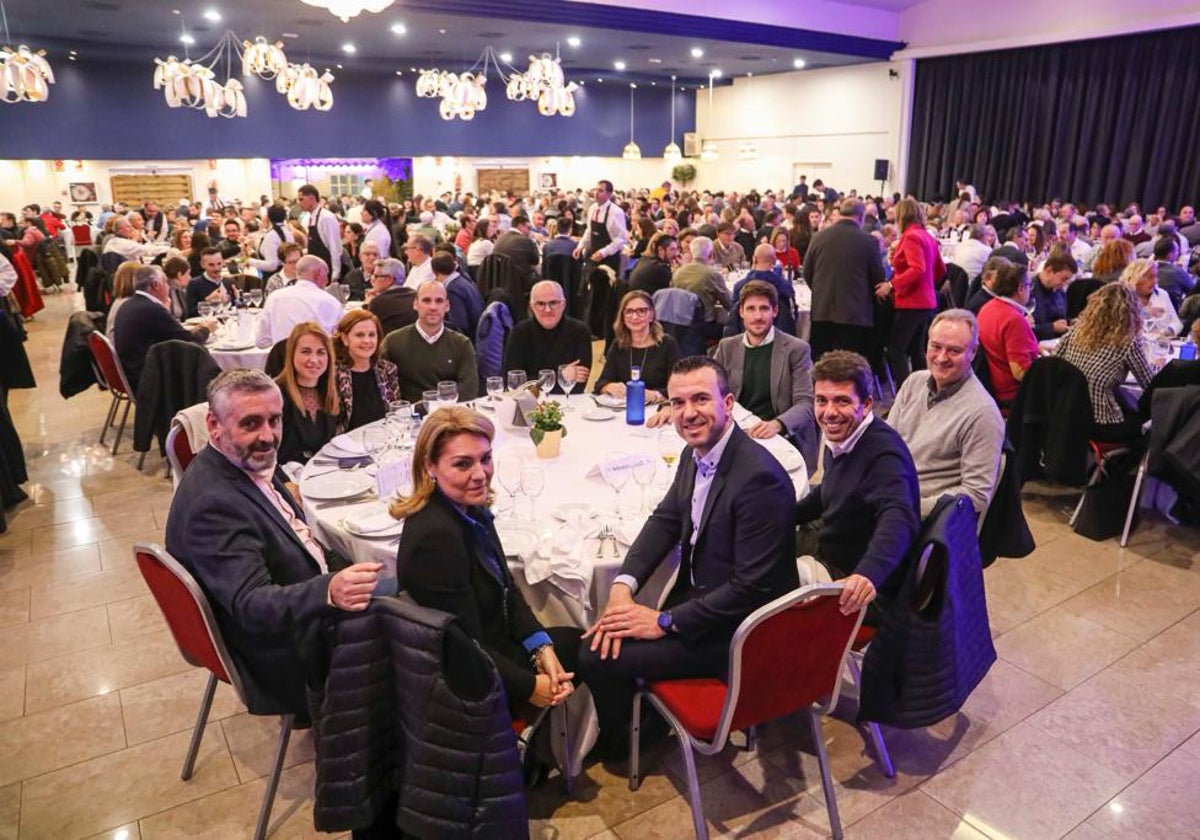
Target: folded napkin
348,444
562,561
373,520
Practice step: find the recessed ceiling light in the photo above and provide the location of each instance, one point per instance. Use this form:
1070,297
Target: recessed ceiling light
619,65
574,41
697,52
654,84
655,60
412,69
70,58
798,63
506,57
399,72
441,31
338,66
601,81
212,14
289,35
349,49
174,11
399,29
186,39
633,85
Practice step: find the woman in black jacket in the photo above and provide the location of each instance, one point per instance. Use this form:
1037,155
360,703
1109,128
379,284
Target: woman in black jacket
310,400
450,559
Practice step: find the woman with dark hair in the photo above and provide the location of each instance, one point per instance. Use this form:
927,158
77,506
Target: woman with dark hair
638,341
787,256
268,261
1005,332
200,244
352,236
483,241
310,400
916,269
450,559
645,232
567,225
366,383
377,226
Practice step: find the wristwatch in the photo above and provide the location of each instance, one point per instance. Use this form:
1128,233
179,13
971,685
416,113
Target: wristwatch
666,622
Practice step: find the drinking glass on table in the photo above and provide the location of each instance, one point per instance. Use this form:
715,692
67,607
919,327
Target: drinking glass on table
615,471
447,392
545,381
400,414
495,387
375,440
508,472
566,381
431,401
205,309
533,482
254,297
643,475
516,378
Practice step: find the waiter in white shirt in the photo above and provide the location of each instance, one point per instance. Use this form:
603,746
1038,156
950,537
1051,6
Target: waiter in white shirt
324,232
602,241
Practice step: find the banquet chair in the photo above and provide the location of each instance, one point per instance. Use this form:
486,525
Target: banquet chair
190,618
114,380
525,729
179,452
762,686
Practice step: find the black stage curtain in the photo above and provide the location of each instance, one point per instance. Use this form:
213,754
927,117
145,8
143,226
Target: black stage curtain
1113,120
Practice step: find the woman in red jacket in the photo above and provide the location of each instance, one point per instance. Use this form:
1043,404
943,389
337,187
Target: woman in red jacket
916,269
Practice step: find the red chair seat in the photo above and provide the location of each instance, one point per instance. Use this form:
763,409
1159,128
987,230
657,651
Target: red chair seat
862,638
697,703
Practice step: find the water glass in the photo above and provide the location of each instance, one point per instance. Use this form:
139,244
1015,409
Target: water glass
254,297
566,381
495,387
432,403
447,392
375,440
516,378
508,472
205,309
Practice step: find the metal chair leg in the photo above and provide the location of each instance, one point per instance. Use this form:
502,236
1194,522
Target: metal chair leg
121,428
635,726
108,419
189,761
881,750
563,721
751,738
1134,500
689,761
264,815
835,822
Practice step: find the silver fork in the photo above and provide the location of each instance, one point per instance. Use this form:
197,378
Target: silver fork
601,537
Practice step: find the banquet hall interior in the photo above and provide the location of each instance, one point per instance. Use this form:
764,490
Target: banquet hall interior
1086,726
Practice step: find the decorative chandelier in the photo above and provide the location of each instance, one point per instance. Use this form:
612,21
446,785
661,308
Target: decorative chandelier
631,151
262,59
25,75
672,153
346,9
545,83
464,94
304,88
188,85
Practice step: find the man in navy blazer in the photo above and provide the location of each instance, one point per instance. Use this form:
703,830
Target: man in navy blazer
235,527
466,303
145,320
728,514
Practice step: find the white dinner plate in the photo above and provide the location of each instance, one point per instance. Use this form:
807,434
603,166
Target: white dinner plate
373,523
233,347
342,484
517,540
598,414
572,510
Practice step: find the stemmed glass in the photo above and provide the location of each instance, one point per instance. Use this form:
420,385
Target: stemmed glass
375,440
669,447
533,482
205,309
566,381
545,382
615,470
643,475
516,378
254,297
508,471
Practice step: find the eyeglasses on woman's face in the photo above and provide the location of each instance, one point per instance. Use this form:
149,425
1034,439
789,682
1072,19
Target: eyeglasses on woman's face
638,311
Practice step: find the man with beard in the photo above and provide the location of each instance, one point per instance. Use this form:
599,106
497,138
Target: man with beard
234,526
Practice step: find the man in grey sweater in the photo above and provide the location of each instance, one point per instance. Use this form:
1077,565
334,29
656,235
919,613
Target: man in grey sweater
949,421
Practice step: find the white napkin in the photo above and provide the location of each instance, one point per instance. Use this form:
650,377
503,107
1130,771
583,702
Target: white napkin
373,520
563,563
350,445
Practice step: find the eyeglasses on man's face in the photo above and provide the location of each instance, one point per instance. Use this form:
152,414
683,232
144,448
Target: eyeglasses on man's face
547,305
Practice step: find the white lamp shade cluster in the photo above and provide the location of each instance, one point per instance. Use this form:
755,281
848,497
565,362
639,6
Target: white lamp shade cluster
25,75
187,85
346,9
263,59
462,94
544,82
304,88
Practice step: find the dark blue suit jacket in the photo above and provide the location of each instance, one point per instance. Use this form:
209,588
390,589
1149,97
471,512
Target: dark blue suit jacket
264,586
744,552
466,305
140,324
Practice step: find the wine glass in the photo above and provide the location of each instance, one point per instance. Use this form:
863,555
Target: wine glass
447,392
615,470
516,378
669,447
495,387
375,440
205,309
508,472
255,297
545,381
566,381
533,482
643,475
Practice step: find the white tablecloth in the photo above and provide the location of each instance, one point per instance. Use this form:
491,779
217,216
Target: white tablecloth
232,345
571,599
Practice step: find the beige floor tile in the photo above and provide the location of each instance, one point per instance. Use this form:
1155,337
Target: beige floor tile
44,569
88,531
1140,601
67,679
10,811
122,787
1025,784
914,816
14,606
12,693
1079,558
1163,803
1062,648
129,831
85,591
170,704
39,743
15,545
234,812
1017,593
252,740
54,512
1120,724
118,553
1083,831
55,636
134,617
600,794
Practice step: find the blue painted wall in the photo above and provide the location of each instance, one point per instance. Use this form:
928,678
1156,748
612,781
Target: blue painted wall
102,112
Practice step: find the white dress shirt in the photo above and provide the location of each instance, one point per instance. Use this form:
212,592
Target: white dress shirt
268,248
615,225
837,450
420,274
135,251
295,304
331,234
377,232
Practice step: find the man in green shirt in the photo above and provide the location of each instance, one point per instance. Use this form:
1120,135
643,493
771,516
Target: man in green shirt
427,353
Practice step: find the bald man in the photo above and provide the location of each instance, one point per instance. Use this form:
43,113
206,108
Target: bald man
550,338
304,300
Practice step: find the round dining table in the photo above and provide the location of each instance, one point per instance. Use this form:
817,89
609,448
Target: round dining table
561,560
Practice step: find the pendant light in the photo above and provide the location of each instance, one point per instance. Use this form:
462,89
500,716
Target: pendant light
672,153
631,151
708,149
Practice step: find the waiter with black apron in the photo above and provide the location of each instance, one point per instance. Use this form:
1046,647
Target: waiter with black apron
601,244
324,232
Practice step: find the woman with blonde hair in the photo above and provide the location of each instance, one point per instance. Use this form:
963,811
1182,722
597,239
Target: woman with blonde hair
638,341
1157,311
450,559
122,291
365,382
1105,344
310,400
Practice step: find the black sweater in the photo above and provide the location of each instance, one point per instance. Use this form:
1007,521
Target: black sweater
869,506
531,348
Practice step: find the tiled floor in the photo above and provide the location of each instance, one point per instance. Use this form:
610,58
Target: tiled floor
1086,727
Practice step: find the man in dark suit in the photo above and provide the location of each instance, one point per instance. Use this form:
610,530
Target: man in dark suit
466,303
389,299
234,526
728,515
212,285
521,250
842,268
145,320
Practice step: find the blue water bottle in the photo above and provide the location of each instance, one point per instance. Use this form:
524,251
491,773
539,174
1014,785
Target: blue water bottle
635,398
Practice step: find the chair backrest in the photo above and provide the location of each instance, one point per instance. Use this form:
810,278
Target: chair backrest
682,315
179,451
188,613
782,676
82,234
111,261
276,359
109,365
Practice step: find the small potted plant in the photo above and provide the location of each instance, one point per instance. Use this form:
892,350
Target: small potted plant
547,429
